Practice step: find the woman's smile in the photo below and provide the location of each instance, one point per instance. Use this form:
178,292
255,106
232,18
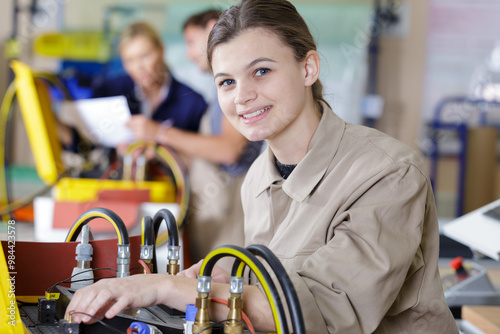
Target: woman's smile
253,116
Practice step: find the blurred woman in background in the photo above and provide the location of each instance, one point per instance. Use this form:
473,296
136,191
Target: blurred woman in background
155,98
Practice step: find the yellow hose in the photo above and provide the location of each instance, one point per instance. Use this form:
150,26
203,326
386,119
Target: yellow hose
4,116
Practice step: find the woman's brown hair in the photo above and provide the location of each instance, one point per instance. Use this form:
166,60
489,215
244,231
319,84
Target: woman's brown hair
141,29
278,16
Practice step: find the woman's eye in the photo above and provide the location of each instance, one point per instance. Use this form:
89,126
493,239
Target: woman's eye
262,71
226,82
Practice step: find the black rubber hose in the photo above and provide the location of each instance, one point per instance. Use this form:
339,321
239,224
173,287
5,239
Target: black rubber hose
286,285
173,231
147,231
272,287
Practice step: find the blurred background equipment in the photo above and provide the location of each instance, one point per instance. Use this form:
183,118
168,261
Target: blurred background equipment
73,194
77,44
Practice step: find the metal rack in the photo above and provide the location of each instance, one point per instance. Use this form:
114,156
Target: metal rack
468,112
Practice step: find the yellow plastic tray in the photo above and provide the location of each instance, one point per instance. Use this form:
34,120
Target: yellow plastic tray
82,190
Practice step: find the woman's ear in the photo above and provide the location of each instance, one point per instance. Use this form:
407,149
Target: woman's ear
311,65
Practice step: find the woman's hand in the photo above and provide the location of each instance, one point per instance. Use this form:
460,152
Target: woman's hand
108,297
121,149
218,274
143,128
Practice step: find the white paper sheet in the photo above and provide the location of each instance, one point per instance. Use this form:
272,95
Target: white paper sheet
101,120
477,231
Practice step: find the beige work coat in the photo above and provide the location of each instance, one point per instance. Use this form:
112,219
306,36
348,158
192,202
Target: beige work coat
216,215
355,226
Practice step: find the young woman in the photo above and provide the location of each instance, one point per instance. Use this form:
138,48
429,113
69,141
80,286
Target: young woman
348,210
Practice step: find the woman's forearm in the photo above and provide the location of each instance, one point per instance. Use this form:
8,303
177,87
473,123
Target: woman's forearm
216,149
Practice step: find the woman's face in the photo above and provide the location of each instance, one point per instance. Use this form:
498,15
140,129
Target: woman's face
143,61
263,90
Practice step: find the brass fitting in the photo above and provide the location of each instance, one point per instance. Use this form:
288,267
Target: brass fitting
234,325
202,319
148,263
173,267
173,257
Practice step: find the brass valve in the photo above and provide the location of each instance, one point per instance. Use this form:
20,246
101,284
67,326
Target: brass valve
234,324
173,267
149,264
202,319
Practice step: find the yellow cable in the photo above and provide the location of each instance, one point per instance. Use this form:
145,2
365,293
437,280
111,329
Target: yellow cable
135,145
180,178
181,181
92,215
4,116
257,272
142,231
241,269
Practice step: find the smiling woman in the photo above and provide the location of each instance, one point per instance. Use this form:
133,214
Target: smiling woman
348,210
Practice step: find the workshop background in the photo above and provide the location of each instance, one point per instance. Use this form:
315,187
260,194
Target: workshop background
426,72
425,51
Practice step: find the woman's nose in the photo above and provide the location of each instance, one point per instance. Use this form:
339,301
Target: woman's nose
245,92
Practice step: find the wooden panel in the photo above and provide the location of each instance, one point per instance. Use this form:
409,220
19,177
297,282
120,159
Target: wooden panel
486,318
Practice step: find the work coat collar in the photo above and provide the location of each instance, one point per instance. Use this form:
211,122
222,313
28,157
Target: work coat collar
312,167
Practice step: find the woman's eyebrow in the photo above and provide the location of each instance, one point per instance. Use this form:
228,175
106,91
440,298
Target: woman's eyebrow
251,64
258,60
220,75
